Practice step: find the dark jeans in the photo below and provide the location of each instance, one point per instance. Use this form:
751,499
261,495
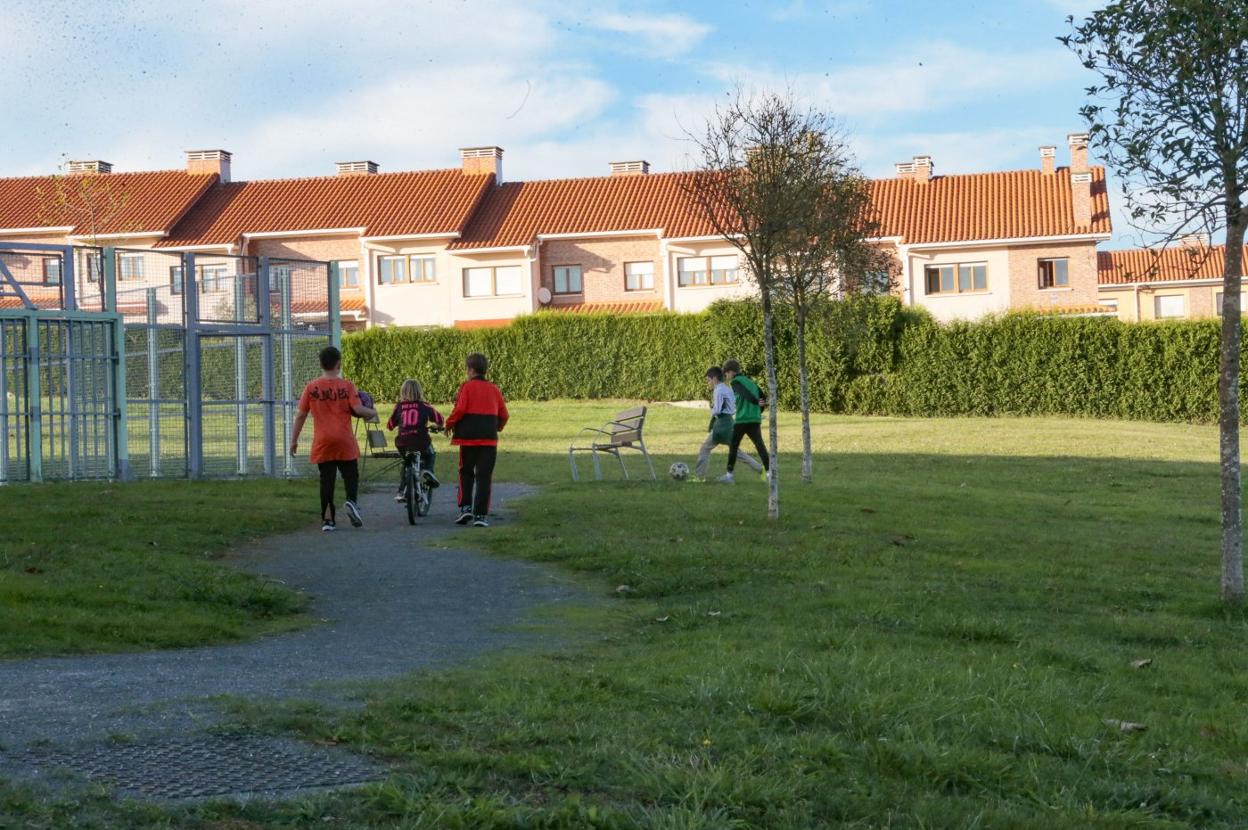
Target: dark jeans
427,457
755,431
476,471
329,474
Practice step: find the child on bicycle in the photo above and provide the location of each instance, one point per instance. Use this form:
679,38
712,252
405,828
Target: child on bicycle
414,416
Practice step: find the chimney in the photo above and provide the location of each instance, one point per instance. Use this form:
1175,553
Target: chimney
630,168
1048,158
923,168
86,168
1078,152
1081,198
478,161
357,168
203,162
905,169
1194,240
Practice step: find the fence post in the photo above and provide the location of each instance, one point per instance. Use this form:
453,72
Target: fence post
34,394
266,366
69,286
121,417
153,383
6,356
335,313
194,392
288,364
240,371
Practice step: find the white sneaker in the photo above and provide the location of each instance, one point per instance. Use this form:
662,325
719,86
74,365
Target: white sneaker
353,513
726,478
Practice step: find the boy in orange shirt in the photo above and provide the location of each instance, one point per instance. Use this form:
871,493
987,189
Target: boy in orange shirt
479,416
332,400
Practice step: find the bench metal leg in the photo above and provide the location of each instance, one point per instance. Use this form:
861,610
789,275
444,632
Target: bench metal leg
620,458
649,463
576,476
597,465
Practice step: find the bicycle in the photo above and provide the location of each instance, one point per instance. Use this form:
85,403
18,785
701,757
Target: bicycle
417,493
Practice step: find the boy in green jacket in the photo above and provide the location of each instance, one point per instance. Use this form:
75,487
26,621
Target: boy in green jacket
749,421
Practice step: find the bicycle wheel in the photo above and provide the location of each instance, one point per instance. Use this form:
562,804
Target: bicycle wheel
411,492
422,500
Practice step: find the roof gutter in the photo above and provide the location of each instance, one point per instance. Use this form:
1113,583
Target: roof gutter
406,236
58,229
1014,240
1200,281
542,237
87,237
498,250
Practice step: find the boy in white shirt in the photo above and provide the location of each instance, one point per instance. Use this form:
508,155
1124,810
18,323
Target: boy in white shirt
723,410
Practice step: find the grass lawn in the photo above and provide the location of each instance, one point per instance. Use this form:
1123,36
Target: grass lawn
940,632
105,567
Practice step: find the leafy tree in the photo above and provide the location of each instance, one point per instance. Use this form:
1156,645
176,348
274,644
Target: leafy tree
1170,114
87,202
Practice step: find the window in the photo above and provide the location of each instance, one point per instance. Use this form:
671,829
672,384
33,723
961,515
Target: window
391,269
424,269
1112,305
1168,306
52,271
349,273
95,268
639,276
956,279
493,282
1053,273
568,279
175,279
706,270
129,267
212,278
1217,303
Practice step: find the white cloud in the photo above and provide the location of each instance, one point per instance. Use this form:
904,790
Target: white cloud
663,34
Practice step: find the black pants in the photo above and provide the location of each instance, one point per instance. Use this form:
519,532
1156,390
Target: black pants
329,474
755,431
476,472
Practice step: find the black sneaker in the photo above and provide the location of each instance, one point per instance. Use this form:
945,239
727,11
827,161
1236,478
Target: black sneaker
328,526
465,516
480,521
432,480
353,513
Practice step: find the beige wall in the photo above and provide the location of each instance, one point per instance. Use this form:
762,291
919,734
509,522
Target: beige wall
965,306
697,298
1025,291
602,268
1198,300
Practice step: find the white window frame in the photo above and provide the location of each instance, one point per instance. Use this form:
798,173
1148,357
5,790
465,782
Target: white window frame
215,276
423,268
177,282
493,269
643,281
1157,302
351,266
569,274
381,270
136,274
708,269
53,275
957,279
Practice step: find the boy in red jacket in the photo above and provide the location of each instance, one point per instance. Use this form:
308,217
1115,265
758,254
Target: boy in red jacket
479,415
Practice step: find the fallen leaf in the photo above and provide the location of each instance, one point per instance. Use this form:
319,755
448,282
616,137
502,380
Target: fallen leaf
31,569
1125,725
866,510
623,589
663,619
713,613
1142,664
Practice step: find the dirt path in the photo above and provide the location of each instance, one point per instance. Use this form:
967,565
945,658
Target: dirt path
392,599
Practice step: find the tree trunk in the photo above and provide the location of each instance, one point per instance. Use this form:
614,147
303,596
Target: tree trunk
808,471
1228,413
773,432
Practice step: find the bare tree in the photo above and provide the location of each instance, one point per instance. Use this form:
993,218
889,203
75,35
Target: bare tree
829,249
88,202
750,186
1170,114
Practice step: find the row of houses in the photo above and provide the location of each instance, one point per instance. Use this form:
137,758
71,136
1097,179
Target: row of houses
465,247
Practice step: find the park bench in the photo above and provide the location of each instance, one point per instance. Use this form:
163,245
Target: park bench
623,432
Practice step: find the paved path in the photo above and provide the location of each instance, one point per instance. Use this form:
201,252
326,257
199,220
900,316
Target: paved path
391,597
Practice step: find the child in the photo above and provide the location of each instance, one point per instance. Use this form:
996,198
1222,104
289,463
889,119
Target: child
479,415
723,408
749,421
332,400
413,415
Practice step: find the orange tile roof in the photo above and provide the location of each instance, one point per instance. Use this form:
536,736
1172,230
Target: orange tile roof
152,201
1165,265
384,204
496,323
608,308
1023,203
514,213
1090,308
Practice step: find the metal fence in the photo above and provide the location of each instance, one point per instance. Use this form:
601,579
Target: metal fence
156,364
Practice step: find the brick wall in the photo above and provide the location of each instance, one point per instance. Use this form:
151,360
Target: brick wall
323,248
602,268
1024,281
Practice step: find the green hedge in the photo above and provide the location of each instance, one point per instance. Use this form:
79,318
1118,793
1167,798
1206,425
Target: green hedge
866,355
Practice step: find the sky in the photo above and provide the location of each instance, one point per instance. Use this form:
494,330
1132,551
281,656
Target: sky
292,86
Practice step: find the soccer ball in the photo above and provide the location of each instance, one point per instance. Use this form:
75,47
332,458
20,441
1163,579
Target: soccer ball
679,471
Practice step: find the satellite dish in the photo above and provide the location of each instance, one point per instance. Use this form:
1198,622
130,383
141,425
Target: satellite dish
543,295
